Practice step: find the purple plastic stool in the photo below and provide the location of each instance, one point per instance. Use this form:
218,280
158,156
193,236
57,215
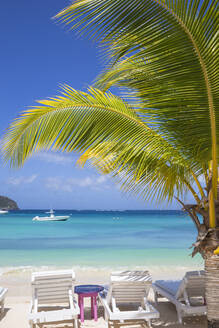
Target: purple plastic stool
88,291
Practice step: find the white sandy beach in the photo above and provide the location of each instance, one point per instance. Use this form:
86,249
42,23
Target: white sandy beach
19,296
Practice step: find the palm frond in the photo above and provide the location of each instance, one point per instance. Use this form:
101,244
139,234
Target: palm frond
176,43
76,121
146,91
105,125
143,174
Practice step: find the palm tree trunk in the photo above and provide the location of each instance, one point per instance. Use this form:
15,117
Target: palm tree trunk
212,290
212,273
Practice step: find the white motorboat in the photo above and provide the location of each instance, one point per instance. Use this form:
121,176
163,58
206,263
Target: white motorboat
52,217
3,211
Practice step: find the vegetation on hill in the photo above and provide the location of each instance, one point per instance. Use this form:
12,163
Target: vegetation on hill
8,203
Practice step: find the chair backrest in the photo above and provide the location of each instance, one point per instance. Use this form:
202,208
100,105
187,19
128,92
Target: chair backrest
129,286
51,287
192,286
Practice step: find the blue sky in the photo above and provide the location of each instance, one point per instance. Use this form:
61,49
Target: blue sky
37,55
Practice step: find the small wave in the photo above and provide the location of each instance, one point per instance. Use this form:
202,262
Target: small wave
157,271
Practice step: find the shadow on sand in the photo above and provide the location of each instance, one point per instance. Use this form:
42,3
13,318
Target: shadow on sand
168,319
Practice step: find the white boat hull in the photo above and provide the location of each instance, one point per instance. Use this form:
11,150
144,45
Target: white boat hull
3,212
51,218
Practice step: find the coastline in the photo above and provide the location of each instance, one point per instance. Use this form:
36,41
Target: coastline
18,279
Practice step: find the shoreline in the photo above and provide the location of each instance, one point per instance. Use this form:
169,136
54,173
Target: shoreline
18,279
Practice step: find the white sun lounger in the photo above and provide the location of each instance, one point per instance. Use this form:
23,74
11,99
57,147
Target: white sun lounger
188,294
3,292
53,298
128,287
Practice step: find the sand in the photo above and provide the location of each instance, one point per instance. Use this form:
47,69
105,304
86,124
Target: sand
19,296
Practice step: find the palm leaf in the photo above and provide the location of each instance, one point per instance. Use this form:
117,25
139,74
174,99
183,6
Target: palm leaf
106,125
144,174
142,88
176,43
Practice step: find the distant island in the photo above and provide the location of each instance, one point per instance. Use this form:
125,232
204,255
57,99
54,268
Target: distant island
8,203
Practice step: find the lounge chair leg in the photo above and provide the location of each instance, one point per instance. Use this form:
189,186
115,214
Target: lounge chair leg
31,325
2,308
155,297
76,323
179,315
149,323
106,316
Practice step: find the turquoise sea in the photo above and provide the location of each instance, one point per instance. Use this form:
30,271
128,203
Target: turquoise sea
110,239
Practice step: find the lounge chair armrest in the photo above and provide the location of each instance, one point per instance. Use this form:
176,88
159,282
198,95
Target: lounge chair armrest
3,293
70,299
114,307
106,306
31,307
150,308
76,306
35,305
72,302
146,304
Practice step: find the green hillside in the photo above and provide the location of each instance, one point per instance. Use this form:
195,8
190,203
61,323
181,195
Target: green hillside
8,203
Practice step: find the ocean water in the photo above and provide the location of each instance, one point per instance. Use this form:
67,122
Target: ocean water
99,239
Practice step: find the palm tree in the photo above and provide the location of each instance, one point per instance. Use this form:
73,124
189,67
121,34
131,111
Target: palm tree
160,138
